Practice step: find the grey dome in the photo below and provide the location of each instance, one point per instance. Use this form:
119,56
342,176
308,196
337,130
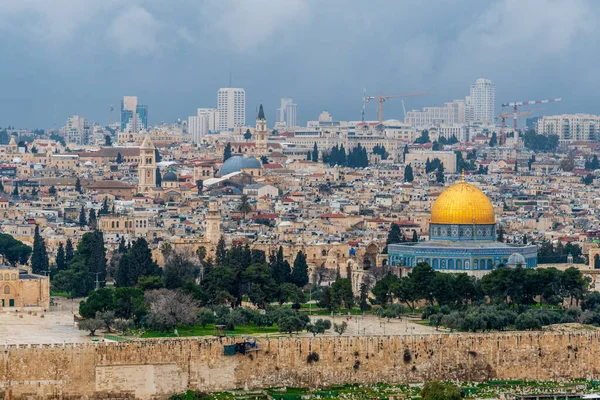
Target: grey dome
237,163
169,177
516,259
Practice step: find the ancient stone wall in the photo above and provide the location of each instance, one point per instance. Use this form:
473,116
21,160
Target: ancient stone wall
156,368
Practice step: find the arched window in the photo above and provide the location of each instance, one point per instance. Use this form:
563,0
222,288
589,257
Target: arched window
6,277
489,264
6,289
14,277
435,263
450,264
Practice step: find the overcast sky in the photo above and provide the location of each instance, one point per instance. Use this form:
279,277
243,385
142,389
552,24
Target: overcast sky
61,57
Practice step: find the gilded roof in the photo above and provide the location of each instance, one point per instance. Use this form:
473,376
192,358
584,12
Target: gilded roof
462,204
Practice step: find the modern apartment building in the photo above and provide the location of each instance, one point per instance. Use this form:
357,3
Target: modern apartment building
77,130
205,121
570,127
231,107
452,113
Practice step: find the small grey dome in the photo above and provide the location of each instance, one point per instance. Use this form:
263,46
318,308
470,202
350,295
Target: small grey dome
516,260
237,163
169,177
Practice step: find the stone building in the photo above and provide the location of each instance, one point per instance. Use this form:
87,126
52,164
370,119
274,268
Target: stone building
20,289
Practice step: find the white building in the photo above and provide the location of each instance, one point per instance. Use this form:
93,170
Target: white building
205,121
77,130
287,113
483,100
231,106
570,127
452,113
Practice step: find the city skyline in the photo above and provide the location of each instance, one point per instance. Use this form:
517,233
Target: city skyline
526,58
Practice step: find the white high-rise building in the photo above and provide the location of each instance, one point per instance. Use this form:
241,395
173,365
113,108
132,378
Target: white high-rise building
77,130
231,106
483,100
287,113
570,127
452,113
206,120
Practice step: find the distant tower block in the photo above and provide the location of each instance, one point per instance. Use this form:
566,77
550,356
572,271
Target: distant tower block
147,167
213,223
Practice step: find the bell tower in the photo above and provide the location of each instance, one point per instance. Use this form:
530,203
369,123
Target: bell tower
261,132
147,166
213,223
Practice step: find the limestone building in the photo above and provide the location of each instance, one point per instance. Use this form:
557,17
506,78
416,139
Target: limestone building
19,289
147,167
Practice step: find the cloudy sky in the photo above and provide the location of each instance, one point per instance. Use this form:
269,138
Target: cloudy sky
62,57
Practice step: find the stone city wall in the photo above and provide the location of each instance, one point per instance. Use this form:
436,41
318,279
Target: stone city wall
157,368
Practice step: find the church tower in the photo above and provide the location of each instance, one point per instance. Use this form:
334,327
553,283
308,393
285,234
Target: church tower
147,166
213,224
261,132
13,148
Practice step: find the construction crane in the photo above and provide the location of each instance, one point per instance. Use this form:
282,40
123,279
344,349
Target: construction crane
502,117
381,98
517,104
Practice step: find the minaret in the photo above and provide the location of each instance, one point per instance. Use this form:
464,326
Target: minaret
213,223
147,167
261,132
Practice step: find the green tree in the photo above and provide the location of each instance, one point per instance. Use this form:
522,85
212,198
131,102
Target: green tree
315,153
309,155
424,138
158,182
227,152
61,263
221,252
394,236
39,256
494,140
341,294
82,218
178,269
436,390
299,275
92,219
15,192
439,175
319,326
78,186
364,298
247,134
244,207
119,159
261,286
128,303
104,209
408,173
136,263
52,190
280,267
107,141
69,253
422,276
98,301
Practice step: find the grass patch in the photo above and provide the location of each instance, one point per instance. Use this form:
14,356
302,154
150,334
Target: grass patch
59,294
210,330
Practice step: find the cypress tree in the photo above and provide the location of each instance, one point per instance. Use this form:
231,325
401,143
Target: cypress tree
16,190
92,217
39,256
308,156
69,253
104,209
122,246
227,152
408,174
221,252
82,219
299,275
158,178
136,263
78,186
61,264
315,153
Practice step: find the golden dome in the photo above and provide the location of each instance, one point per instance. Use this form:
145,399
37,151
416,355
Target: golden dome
462,204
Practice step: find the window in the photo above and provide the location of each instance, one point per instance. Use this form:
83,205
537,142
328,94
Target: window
6,277
6,289
14,277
